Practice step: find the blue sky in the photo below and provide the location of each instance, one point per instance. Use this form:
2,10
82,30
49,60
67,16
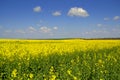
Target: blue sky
59,18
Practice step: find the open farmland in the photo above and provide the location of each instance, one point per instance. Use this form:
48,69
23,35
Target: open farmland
73,59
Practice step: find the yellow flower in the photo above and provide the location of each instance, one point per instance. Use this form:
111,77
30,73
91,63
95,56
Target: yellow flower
52,68
14,73
75,78
100,61
53,77
69,72
31,75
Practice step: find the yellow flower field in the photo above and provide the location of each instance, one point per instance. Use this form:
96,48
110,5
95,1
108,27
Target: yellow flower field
73,59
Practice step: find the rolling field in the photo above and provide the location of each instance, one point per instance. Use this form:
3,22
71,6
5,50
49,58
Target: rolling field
59,59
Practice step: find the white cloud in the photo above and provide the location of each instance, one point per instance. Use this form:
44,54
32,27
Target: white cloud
106,19
45,29
116,30
56,13
76,11
116,18
8,31
97,33
99,25
20,31
32,29
37,9
55,28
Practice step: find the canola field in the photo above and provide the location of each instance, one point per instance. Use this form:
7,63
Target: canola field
73,59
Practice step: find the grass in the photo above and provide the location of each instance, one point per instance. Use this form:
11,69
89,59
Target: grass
60,59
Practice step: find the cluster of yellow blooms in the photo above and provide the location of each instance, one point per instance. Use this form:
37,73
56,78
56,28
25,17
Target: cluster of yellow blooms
90,55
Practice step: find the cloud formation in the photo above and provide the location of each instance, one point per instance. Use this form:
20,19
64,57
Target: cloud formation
106,19
45,29
32,29
7,31
55,28
99,25
77,11
56,13
37,9
116,18
20,31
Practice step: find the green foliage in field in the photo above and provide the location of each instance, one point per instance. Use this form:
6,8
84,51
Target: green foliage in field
59,59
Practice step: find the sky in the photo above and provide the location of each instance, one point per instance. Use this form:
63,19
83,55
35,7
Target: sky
59,19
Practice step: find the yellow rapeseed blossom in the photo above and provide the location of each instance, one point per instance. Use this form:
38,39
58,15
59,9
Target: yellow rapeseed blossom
72,58
31,75
14,73
69,71
53,77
